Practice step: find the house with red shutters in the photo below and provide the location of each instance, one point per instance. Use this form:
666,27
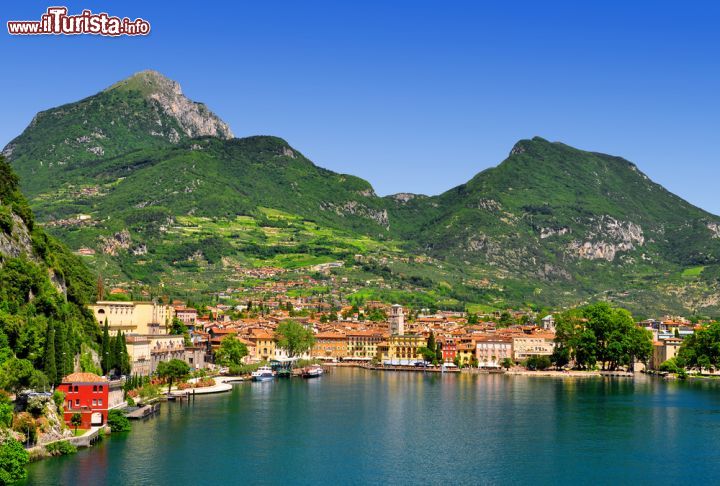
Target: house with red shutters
87,394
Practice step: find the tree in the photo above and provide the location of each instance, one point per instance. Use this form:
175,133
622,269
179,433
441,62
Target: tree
76,421
294,338
6,410
172,370
16,375
13,459
117,421
50,360
431,344
427,353
231,352
507,363
125,364
105,349
63,356
472,318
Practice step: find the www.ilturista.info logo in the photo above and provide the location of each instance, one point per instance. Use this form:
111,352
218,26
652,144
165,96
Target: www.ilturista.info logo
56,21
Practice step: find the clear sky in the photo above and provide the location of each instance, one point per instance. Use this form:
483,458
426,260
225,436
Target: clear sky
413,96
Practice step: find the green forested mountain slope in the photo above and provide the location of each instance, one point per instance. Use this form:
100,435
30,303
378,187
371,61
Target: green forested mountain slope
172,197
43,289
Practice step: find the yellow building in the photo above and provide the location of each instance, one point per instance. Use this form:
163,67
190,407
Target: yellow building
133,317
264,342
536,344
465,353
401,349
362,345
329,345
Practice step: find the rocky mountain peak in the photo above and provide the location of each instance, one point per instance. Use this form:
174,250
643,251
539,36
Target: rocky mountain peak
195,119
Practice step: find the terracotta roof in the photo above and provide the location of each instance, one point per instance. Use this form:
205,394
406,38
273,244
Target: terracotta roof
83,378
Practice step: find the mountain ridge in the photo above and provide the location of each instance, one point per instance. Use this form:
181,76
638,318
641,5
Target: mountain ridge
549,223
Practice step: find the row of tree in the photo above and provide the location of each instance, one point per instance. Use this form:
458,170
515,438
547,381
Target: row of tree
113,352
600,334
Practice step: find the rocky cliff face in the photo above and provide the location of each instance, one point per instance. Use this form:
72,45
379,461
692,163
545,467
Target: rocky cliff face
195,119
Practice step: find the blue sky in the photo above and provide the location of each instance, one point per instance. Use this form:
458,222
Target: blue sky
412,96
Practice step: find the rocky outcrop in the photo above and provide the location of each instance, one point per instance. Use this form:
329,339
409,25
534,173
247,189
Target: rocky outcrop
195,119
354,208
112,245
715,229
607,237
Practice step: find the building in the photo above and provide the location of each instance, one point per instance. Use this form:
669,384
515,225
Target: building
449,350
492,350
329,344
165,348
187,315
133,317
138,347
465,353
548,323
537,344
397,320
663,351
362,345
401,349
87,394
264,344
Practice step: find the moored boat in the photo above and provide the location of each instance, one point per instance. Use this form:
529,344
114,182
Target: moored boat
312,372
264,373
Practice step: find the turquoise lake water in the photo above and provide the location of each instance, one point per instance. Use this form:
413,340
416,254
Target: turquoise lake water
361,427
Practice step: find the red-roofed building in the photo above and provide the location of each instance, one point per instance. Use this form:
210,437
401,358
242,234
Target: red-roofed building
88,394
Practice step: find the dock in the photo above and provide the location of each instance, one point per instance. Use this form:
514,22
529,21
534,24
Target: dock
139,413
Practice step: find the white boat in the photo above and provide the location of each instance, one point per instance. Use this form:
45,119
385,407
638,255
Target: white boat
264,373
312,372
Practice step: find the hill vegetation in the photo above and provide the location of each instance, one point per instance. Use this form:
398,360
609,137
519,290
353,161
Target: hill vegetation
170,199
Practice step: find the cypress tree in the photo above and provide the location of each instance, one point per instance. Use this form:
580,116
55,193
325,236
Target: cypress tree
62,350
105,349
431,342
125,357
49,363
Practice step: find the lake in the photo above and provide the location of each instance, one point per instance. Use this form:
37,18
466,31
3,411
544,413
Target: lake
354,426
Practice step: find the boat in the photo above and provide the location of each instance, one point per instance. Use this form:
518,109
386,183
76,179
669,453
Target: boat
284,373
312,372
264,373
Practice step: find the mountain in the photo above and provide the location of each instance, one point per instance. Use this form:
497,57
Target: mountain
44,288
146,110
155,185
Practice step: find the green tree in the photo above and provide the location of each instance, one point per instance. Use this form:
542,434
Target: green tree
105,357
63,355
13,459
50,360
125,364
507,363
173,370
7,409
117,421
294,338
76,421
16,375
431,344
231,352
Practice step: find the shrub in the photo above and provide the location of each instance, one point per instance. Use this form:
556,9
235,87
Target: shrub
62,448
59,399
13,459
130,401
669,366
117,421
25,424
6,220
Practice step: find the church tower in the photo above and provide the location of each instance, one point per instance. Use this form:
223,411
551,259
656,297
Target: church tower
397,320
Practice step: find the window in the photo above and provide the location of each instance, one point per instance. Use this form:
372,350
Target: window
77,402
76,388
94,402
69,405
100,388
100,402
94,388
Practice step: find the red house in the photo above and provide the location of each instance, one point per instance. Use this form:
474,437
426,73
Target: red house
88,394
